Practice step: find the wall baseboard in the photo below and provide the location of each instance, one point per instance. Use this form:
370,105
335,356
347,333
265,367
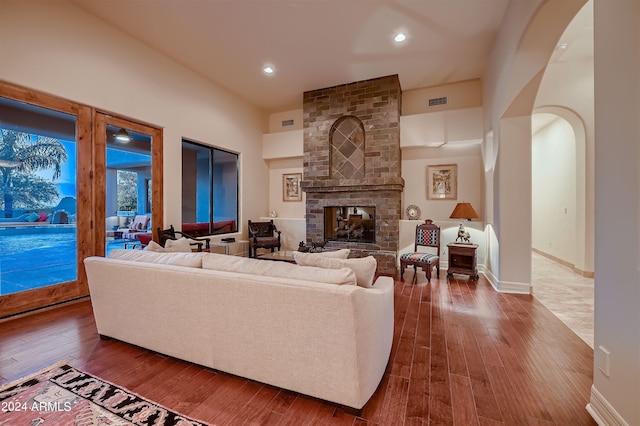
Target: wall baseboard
505,286
602,412
586,274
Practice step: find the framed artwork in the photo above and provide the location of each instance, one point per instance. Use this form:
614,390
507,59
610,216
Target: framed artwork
291,190
442,182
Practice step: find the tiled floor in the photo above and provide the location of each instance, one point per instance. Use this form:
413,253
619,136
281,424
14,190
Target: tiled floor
568,295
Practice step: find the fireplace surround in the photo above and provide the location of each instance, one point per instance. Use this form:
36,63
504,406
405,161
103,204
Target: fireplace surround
352,158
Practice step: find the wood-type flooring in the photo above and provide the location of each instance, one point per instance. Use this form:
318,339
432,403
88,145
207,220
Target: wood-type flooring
463,354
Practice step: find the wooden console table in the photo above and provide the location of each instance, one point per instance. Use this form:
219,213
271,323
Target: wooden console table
463,260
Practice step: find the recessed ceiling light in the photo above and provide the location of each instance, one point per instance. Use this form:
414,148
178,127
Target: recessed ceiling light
268,69
562,46
400,37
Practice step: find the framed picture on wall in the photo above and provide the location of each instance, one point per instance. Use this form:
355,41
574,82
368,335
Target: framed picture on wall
291,190
442,182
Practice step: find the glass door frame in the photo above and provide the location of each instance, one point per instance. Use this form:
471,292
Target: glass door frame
101,121
36,298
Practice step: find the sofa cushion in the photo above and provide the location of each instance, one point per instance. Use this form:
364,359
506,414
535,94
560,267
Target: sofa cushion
192,260
363,267
245,265
305,258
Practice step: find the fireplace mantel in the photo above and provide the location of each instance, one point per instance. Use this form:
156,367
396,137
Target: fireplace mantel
366,185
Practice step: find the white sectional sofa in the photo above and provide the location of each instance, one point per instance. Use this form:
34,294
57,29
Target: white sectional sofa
302,328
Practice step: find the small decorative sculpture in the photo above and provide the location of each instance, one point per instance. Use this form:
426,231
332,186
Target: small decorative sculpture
318,246
302,247
463,235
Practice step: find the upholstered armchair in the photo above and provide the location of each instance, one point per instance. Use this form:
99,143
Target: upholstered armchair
263,235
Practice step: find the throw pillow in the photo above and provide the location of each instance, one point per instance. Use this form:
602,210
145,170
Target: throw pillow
153,246
364,267
192,260
304,258
181,245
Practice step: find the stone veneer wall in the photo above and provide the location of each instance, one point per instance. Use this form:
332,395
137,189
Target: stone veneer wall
376,103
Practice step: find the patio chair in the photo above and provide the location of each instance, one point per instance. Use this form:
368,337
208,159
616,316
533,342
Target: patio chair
139,224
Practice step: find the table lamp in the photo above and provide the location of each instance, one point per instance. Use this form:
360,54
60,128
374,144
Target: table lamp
463,211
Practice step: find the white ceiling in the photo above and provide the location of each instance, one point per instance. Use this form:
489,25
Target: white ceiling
321,43
312,43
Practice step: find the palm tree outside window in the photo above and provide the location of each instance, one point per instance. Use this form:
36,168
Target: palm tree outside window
21,155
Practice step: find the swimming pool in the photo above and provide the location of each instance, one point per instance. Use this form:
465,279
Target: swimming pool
30,259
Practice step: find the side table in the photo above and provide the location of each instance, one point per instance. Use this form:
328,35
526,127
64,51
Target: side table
231,248
463,260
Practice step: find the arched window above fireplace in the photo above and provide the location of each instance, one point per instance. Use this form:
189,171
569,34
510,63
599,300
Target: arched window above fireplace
347,148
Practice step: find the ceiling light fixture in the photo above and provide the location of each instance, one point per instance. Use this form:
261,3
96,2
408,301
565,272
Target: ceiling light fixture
562,46
123,136
400,37
268,69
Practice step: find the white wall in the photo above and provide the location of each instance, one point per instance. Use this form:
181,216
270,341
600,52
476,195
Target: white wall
56,47
563,94
284,209
614,397
526,39
553,183
414,173
510,84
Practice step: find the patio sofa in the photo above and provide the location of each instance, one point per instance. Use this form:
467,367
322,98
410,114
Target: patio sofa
302,328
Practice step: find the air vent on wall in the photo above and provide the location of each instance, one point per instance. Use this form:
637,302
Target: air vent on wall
438,101
287,123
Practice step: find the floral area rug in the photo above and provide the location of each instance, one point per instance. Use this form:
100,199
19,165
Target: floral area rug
64,395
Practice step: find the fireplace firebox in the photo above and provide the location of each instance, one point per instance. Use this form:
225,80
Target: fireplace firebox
350,223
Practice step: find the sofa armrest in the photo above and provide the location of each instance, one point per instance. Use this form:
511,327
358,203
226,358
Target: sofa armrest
374,335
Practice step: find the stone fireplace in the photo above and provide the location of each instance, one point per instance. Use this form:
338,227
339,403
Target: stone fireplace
352,158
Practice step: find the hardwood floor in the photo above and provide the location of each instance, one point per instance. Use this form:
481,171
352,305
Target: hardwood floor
462,354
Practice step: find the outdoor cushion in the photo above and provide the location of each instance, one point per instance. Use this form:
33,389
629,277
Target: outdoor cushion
33,217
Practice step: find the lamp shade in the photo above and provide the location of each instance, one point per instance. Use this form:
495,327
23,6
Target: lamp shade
464,211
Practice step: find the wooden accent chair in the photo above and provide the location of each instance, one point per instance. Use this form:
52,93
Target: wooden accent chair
263,235
427,235
170,234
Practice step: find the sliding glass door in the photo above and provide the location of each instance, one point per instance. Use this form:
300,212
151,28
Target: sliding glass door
129,183
44,225
68,187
